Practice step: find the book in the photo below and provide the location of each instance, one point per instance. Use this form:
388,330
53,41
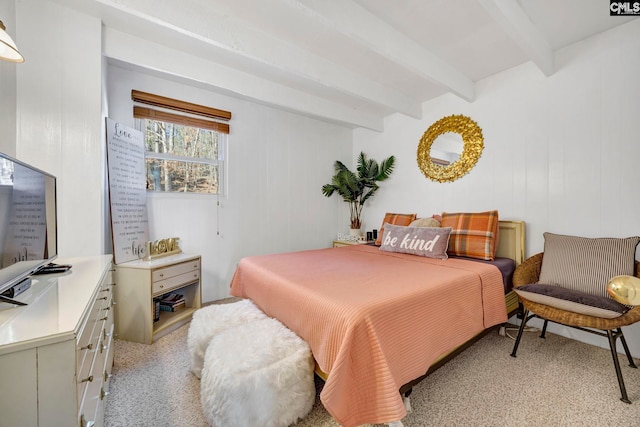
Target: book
170,299
172,307
156,309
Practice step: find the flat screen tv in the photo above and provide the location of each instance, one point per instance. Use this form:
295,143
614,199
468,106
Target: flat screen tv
28,221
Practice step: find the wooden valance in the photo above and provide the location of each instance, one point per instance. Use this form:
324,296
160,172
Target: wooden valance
177,105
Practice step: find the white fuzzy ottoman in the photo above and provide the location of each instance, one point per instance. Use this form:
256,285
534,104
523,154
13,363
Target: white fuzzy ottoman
257,374
213,319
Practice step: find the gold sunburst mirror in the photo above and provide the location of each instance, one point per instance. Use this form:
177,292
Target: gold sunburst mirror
450,148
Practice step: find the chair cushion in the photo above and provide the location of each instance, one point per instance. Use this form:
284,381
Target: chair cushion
570,300
586,264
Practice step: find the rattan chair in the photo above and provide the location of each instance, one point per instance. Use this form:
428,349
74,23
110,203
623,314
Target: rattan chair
528,272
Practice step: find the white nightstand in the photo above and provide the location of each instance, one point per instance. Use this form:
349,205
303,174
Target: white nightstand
139,282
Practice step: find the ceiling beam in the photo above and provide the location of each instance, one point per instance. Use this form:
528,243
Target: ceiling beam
260,51
354,21
516,23
146,55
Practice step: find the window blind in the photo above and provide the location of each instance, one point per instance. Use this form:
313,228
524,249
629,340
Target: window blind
181,106
148,113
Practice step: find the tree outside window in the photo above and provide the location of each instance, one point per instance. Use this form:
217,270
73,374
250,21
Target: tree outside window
183,158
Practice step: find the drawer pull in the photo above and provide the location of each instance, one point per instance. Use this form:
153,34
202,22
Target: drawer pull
98,299
88,379
104,318
107,308
103,348
103,394
85,423
87,347
107,376
161,274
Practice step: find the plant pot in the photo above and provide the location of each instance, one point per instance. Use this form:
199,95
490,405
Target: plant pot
355,233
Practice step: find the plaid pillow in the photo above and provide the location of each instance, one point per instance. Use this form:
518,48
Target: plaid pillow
395,219
474,235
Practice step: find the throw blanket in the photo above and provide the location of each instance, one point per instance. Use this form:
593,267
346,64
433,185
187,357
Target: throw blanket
374,320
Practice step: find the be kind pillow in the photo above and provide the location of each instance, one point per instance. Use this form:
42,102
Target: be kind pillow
429,242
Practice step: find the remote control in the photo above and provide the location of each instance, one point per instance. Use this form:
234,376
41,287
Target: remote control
52,269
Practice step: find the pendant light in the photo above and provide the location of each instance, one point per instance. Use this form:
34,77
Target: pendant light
8,50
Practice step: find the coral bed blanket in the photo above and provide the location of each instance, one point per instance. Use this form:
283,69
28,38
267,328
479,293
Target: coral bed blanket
374,320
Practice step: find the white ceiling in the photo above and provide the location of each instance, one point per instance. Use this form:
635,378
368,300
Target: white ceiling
357,61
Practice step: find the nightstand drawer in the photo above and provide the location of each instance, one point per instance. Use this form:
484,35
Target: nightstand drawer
162,286
175,270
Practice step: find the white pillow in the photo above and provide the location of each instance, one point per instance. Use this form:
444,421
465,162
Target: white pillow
425,222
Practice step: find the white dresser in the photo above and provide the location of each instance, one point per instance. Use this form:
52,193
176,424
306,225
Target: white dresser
56,353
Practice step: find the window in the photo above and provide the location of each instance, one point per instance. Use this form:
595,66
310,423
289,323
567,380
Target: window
184,153
182,158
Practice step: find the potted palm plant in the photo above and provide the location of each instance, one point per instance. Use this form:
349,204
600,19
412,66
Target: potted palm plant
357,187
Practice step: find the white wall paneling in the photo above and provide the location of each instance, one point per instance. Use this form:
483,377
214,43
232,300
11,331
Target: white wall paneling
277,163
59,115
560,151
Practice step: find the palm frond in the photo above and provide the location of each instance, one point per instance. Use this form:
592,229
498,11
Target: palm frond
362,160
339,166
328,190
386,168
346,185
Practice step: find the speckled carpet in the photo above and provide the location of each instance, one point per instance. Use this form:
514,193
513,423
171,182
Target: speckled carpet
552,382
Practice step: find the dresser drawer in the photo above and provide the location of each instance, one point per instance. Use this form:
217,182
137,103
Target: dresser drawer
163,286
90,334
86,332
91,396
175,270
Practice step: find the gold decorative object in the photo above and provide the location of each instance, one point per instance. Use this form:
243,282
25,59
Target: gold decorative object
473,144
625,289
163,247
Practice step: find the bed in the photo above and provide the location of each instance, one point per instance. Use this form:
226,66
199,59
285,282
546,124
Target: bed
377,322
